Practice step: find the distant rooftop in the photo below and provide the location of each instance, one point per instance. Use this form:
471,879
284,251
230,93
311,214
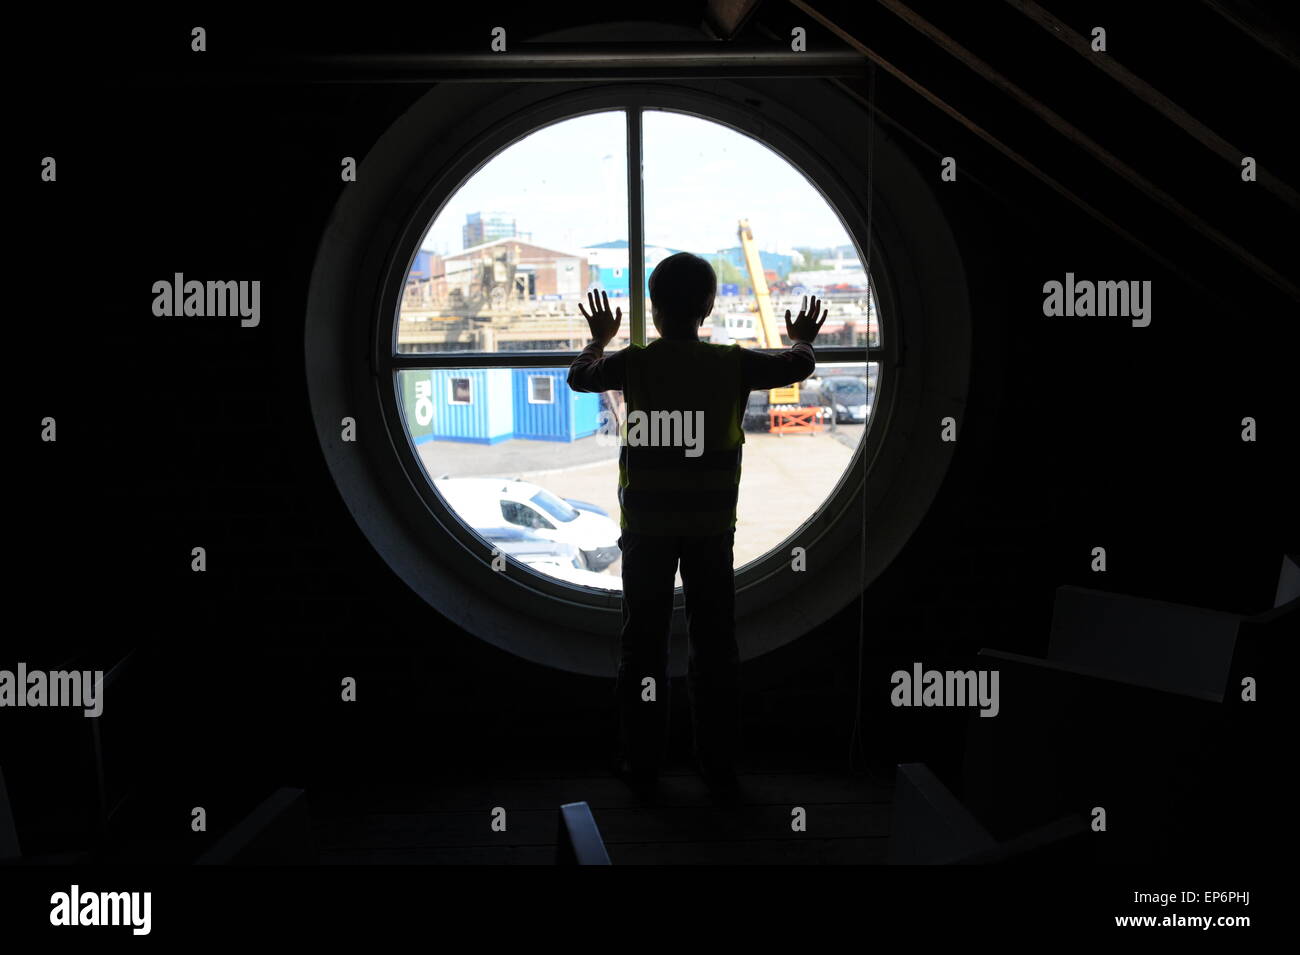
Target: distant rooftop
622,244
508,238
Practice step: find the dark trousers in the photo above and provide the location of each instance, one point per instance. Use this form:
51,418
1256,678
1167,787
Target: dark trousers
713,677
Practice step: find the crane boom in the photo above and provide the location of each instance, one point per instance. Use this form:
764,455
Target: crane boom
769,335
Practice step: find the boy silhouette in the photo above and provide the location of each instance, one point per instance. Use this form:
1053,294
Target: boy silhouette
679,473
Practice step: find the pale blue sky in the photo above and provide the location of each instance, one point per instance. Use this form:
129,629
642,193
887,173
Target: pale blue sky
566,184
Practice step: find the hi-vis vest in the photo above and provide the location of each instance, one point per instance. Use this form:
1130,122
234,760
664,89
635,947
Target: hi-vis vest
679,460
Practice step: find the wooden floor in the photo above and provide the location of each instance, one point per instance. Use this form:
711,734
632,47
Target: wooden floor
450,822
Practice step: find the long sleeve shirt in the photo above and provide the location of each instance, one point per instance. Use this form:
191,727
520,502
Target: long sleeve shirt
663,488
594,371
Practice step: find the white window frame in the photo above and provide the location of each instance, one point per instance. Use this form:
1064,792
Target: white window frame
550,379
451,390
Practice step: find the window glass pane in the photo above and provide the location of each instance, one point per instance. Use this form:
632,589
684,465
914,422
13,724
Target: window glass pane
772,239
506,261
540,482
540,389
529,464
703,182
535,480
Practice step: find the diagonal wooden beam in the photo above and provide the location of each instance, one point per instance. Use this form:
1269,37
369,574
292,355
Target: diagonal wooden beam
865,102
997,144
1153,97
902,130
1257,25
1093,148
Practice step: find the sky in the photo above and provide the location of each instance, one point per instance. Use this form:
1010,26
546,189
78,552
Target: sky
566,184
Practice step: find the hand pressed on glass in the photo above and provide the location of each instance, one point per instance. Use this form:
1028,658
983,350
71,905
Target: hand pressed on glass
807,325
603,323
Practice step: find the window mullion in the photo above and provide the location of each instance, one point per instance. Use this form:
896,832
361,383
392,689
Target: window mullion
414,361
635,228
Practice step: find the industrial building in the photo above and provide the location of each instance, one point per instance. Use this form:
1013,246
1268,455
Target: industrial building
774,262
519,268
609,265
480,228
494,273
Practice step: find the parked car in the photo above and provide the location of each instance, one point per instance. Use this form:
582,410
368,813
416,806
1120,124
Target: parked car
554,558
585,506
528,548
850,398
484,503
756,417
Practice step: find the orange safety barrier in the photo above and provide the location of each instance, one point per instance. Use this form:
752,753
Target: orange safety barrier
794,420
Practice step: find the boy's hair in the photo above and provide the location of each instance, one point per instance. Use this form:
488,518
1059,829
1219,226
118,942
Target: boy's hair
680,288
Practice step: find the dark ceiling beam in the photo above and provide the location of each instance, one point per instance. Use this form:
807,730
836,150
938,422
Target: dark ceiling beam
1153,98
723,19
997,144
1257,25
1090,146
551,62
896,126
899,128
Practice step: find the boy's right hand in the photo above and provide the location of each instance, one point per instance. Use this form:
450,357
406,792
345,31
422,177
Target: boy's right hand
602,322
807,325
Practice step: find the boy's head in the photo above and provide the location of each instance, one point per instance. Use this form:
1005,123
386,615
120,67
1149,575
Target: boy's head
682,288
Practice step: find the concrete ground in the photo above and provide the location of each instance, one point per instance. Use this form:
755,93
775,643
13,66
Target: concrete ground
785,478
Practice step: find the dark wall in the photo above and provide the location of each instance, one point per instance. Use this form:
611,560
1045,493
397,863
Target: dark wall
173,434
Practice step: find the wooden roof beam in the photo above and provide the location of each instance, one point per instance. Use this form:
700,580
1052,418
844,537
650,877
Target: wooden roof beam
1089,145
1153,98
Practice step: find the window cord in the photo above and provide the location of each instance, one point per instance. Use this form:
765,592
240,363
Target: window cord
856,744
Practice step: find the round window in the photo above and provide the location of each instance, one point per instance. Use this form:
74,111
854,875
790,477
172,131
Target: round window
443,315
531,466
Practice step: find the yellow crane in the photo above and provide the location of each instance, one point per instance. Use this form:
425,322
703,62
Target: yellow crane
769,336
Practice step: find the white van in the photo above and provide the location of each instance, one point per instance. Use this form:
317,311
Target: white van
485,503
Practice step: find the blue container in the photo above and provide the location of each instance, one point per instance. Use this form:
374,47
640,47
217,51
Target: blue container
415,391
422,265
614,284
585,415
546,409
489,405
458,404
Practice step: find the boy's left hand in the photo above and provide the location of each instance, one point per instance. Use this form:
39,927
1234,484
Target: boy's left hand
604,324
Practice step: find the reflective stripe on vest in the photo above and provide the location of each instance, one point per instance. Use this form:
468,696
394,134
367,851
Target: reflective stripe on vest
663,489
